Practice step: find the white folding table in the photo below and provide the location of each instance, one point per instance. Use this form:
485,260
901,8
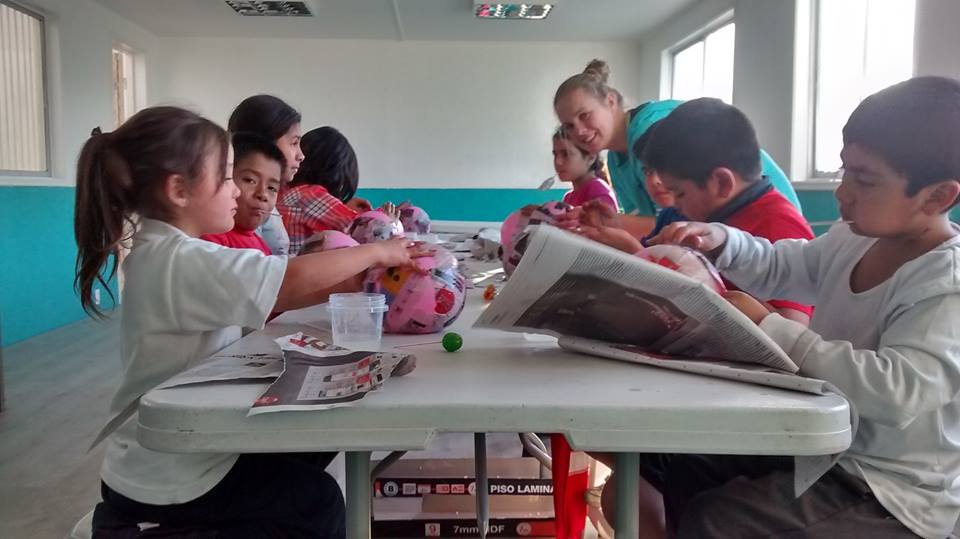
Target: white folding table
499,382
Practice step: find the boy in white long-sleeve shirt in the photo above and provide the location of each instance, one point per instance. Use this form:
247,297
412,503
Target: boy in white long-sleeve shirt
886,286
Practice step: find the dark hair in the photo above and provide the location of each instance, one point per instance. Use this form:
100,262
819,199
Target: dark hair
329,161
122,173
593,80
597,167
915,127
246,143
266,115
702,135
641,144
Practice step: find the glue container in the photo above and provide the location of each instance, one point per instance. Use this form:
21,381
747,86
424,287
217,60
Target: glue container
357,320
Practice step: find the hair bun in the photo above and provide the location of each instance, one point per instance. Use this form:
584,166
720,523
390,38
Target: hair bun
599,69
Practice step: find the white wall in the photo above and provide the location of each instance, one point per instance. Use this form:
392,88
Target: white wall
80,36
419,113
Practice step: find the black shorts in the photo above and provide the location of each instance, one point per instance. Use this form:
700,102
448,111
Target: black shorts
262,496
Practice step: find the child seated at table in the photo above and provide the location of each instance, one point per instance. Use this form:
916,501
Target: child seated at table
886,282
707,155
321,195
184,300
583,170
257,169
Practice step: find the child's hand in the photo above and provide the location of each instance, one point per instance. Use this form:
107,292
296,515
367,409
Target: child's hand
748,305
595,213
394,252
391,210
617,238
359,205
704,237
400,252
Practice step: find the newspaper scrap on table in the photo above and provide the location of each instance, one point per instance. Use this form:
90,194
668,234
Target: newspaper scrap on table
566,285
319,376
222,368
584,292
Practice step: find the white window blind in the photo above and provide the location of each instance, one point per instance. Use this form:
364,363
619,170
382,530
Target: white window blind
23,131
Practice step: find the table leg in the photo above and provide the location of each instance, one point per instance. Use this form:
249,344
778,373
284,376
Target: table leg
358,494
483,488
628,495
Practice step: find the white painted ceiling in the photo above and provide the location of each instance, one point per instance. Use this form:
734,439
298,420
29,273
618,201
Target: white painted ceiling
570,20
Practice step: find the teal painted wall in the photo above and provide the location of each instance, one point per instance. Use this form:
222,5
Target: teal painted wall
37,251
37,256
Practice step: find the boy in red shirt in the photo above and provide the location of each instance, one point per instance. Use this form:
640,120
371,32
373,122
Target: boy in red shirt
257,168
706,153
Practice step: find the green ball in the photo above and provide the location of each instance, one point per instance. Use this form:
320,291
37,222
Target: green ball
452,342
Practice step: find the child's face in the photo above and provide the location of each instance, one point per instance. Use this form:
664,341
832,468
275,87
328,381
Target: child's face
289,144
258,179
212,201
694,202
569,161
589,121
873,199
657,191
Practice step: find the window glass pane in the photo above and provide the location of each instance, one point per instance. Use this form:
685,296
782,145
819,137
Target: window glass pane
718,63
862,46
23,134
688,72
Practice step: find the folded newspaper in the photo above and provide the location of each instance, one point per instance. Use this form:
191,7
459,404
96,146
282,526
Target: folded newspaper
601,301
319,376
569,286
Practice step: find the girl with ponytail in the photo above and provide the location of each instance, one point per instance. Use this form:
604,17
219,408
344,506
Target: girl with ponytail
185,299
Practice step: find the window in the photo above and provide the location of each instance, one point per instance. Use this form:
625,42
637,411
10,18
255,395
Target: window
23,131
862,46
704,68
123,85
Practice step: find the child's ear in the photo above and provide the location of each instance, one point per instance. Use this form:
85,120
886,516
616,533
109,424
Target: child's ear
176,190
941,196
722,181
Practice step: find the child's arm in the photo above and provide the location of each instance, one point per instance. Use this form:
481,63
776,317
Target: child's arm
310,278
788,268
915,369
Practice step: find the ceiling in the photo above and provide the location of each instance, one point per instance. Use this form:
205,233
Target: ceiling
570,20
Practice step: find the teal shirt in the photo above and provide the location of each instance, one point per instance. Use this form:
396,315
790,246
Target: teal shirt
626,171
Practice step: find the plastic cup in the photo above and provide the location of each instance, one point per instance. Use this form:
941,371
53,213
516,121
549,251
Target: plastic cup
357,320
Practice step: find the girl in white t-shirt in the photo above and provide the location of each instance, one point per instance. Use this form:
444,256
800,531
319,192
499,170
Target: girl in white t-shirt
185,299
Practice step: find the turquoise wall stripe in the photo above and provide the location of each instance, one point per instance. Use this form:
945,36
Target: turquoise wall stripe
37,256
37,251
464,204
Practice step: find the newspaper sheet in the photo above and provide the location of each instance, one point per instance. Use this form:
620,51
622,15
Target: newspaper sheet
319,376
569,285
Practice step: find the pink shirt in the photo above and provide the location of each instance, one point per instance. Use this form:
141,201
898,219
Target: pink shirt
589,190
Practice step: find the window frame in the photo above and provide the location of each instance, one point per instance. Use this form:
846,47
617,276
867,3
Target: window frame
15,176
700,36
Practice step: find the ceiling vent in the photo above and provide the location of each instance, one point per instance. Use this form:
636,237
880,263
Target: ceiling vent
270,8
529,12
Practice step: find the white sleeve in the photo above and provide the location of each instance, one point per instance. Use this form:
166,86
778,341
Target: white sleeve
915,369
216,287
787,269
